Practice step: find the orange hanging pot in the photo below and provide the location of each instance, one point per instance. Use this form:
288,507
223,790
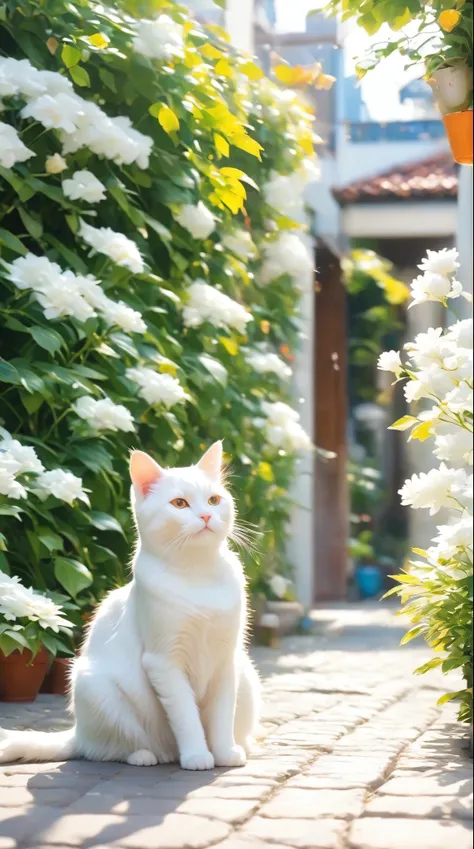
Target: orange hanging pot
458,126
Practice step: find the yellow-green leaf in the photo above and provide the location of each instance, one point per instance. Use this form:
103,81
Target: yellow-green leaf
99,40
423,431
211,52
223,68
406,579
404,423
80,76
401,21
231,347
168,119
232,200
70,55
222,146
251,70
420,551
244,142
264,471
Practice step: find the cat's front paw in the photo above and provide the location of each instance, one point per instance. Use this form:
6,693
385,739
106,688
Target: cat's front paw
197,760
234,756
142,757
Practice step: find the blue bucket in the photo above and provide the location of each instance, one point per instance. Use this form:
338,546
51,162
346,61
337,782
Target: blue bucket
369,580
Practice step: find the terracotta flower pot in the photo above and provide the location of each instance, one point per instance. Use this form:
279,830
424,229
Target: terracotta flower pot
20,679
458,126
57,679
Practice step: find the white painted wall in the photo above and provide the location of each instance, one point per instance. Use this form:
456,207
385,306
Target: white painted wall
239,20
464,235
410,219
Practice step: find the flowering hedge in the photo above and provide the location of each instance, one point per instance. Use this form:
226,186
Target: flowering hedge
149,279
437,591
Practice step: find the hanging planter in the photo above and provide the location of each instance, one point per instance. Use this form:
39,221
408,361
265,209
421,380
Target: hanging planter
21,675
452,88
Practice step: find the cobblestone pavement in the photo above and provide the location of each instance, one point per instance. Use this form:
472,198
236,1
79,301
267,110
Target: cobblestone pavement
353,756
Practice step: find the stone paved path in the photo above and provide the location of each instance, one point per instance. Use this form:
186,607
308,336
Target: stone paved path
354,756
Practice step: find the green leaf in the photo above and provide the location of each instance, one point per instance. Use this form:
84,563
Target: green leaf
70,56
80,76
94,456
369,23
72,575
431,664
47,338
108,79
10,510
50,540
104,522
10,241
32,223
8,373
448,697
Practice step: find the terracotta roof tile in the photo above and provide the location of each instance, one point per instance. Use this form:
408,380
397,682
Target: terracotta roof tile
434,178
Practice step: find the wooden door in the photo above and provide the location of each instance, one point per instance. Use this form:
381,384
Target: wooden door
330,416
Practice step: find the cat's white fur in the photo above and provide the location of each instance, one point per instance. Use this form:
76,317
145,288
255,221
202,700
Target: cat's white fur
164,674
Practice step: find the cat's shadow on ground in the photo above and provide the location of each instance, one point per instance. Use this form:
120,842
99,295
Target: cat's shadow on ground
117,799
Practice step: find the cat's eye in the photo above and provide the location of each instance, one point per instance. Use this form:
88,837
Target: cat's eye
214,500
180,503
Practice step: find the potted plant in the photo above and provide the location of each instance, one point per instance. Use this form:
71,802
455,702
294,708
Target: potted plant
449,72
442,41
281,601
368,574
29,626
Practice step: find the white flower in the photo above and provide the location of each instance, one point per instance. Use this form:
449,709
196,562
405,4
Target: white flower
62,484
390,361
427,348
18,602
23,455
156,388
286,255
62,298
461,333
279,585
12,149
104,414
114,138
240,243
197,220
442,262
55,164
51,83
282,428
208,304
263,362
59,112
120,314
84,185
161,38
116,246
460,399
8,469
456,534
434,489
19,76
455,447
432,382
434,287
32,272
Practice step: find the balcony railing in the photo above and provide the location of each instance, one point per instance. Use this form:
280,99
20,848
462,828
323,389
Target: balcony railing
395,131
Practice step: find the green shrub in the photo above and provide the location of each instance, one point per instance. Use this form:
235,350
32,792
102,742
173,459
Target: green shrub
200,127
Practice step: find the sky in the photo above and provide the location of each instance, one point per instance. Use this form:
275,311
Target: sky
379,88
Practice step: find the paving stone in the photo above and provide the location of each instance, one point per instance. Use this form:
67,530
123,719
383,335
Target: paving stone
443,784
434,807
15,797
325,782
312,804
298,834
228,810
168,832
391,833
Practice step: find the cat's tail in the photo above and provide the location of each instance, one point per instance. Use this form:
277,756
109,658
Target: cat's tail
37,745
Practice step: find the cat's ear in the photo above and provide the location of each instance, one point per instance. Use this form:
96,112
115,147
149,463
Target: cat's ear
211,461
144,471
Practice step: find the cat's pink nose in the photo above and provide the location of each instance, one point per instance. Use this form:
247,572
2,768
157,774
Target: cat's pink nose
205,517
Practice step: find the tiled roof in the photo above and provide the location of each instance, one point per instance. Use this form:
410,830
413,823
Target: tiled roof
429,179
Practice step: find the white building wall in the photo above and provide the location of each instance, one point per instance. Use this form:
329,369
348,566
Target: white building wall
239,23
464,234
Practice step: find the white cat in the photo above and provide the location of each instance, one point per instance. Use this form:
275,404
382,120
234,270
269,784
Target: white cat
164,673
